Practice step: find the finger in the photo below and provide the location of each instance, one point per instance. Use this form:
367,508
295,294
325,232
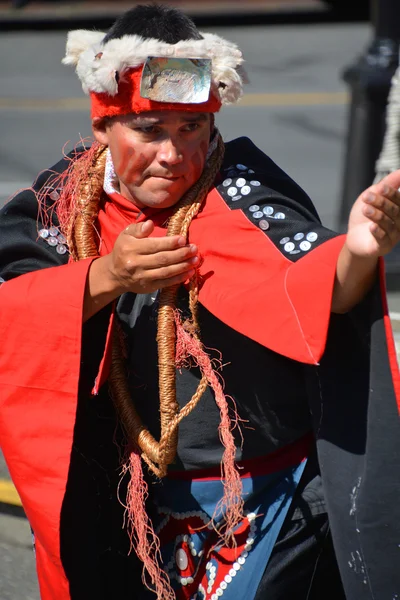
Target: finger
154,244
384,225
162,283
171,257
389,192
389,203
392,180
380,235
140,230
168,272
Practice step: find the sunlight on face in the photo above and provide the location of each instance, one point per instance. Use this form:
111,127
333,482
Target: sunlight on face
159,155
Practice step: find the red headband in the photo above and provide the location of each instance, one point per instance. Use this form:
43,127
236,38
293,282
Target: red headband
128,100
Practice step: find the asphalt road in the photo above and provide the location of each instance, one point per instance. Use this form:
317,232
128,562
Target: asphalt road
296,111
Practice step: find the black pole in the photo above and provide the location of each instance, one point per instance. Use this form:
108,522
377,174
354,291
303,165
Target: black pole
369,80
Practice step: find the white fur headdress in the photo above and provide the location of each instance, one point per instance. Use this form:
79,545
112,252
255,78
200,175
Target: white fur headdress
84,48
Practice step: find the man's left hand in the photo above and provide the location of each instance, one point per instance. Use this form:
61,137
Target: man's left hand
374,223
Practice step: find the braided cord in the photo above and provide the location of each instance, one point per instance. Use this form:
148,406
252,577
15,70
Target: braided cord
82,241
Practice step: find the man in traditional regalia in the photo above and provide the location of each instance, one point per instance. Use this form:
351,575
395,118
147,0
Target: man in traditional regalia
193,367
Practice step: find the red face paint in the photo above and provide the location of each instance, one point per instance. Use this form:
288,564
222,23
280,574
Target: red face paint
158,156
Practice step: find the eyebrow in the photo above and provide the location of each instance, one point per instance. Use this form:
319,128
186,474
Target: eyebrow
159,121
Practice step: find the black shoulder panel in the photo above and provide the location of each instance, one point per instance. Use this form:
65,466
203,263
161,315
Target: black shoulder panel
270,199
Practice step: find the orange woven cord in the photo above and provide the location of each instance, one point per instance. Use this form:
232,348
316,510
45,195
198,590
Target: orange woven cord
179,223
80,234
82,237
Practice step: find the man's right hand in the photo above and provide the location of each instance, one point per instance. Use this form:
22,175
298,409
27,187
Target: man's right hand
138,264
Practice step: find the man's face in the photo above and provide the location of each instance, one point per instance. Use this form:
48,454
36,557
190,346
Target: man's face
159,155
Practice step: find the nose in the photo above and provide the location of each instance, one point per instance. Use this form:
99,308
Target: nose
169,152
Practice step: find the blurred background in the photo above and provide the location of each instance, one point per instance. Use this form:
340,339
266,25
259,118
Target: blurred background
320,74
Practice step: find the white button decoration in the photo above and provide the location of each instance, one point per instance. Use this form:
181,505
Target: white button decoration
254,207
219,592
52,241
298,237
228,579
250,541
181,559
232,572
258,214
54,195
227,182
263,224
284,240
53,231
245,190
312,236
240,182
251,171
268,211
280,215
223,585
255,182
236,198
61,249
289,247
241,167
305,246
232,191
44,233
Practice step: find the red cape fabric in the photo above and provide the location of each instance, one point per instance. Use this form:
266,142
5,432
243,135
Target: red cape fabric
242,268
41,319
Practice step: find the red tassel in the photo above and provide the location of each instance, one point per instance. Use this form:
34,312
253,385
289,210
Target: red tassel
231,504
144,540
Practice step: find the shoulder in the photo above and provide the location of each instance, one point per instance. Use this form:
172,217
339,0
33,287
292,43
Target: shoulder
25,201
244,160
30,238
251,183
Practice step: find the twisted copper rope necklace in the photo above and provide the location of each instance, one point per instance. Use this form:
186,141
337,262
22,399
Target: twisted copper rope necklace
82,242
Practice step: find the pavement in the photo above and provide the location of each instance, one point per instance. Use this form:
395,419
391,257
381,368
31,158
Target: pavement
51,12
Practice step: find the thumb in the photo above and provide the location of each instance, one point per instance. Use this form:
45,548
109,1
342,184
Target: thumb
392,180
140,230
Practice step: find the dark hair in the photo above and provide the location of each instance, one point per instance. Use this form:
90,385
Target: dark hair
164,23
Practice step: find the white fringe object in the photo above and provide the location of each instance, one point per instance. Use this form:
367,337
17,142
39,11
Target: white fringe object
118,55
389,158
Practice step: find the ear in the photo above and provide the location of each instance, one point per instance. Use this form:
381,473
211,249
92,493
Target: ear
100,130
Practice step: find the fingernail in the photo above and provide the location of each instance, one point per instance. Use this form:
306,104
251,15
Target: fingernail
194,260
369,211
193,248
370,197
181,241
386,189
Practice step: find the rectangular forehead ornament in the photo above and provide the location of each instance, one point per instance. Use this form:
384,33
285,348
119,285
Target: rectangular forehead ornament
176,80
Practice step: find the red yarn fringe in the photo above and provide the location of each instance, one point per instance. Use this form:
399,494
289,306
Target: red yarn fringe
143,538
230,507
67,184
